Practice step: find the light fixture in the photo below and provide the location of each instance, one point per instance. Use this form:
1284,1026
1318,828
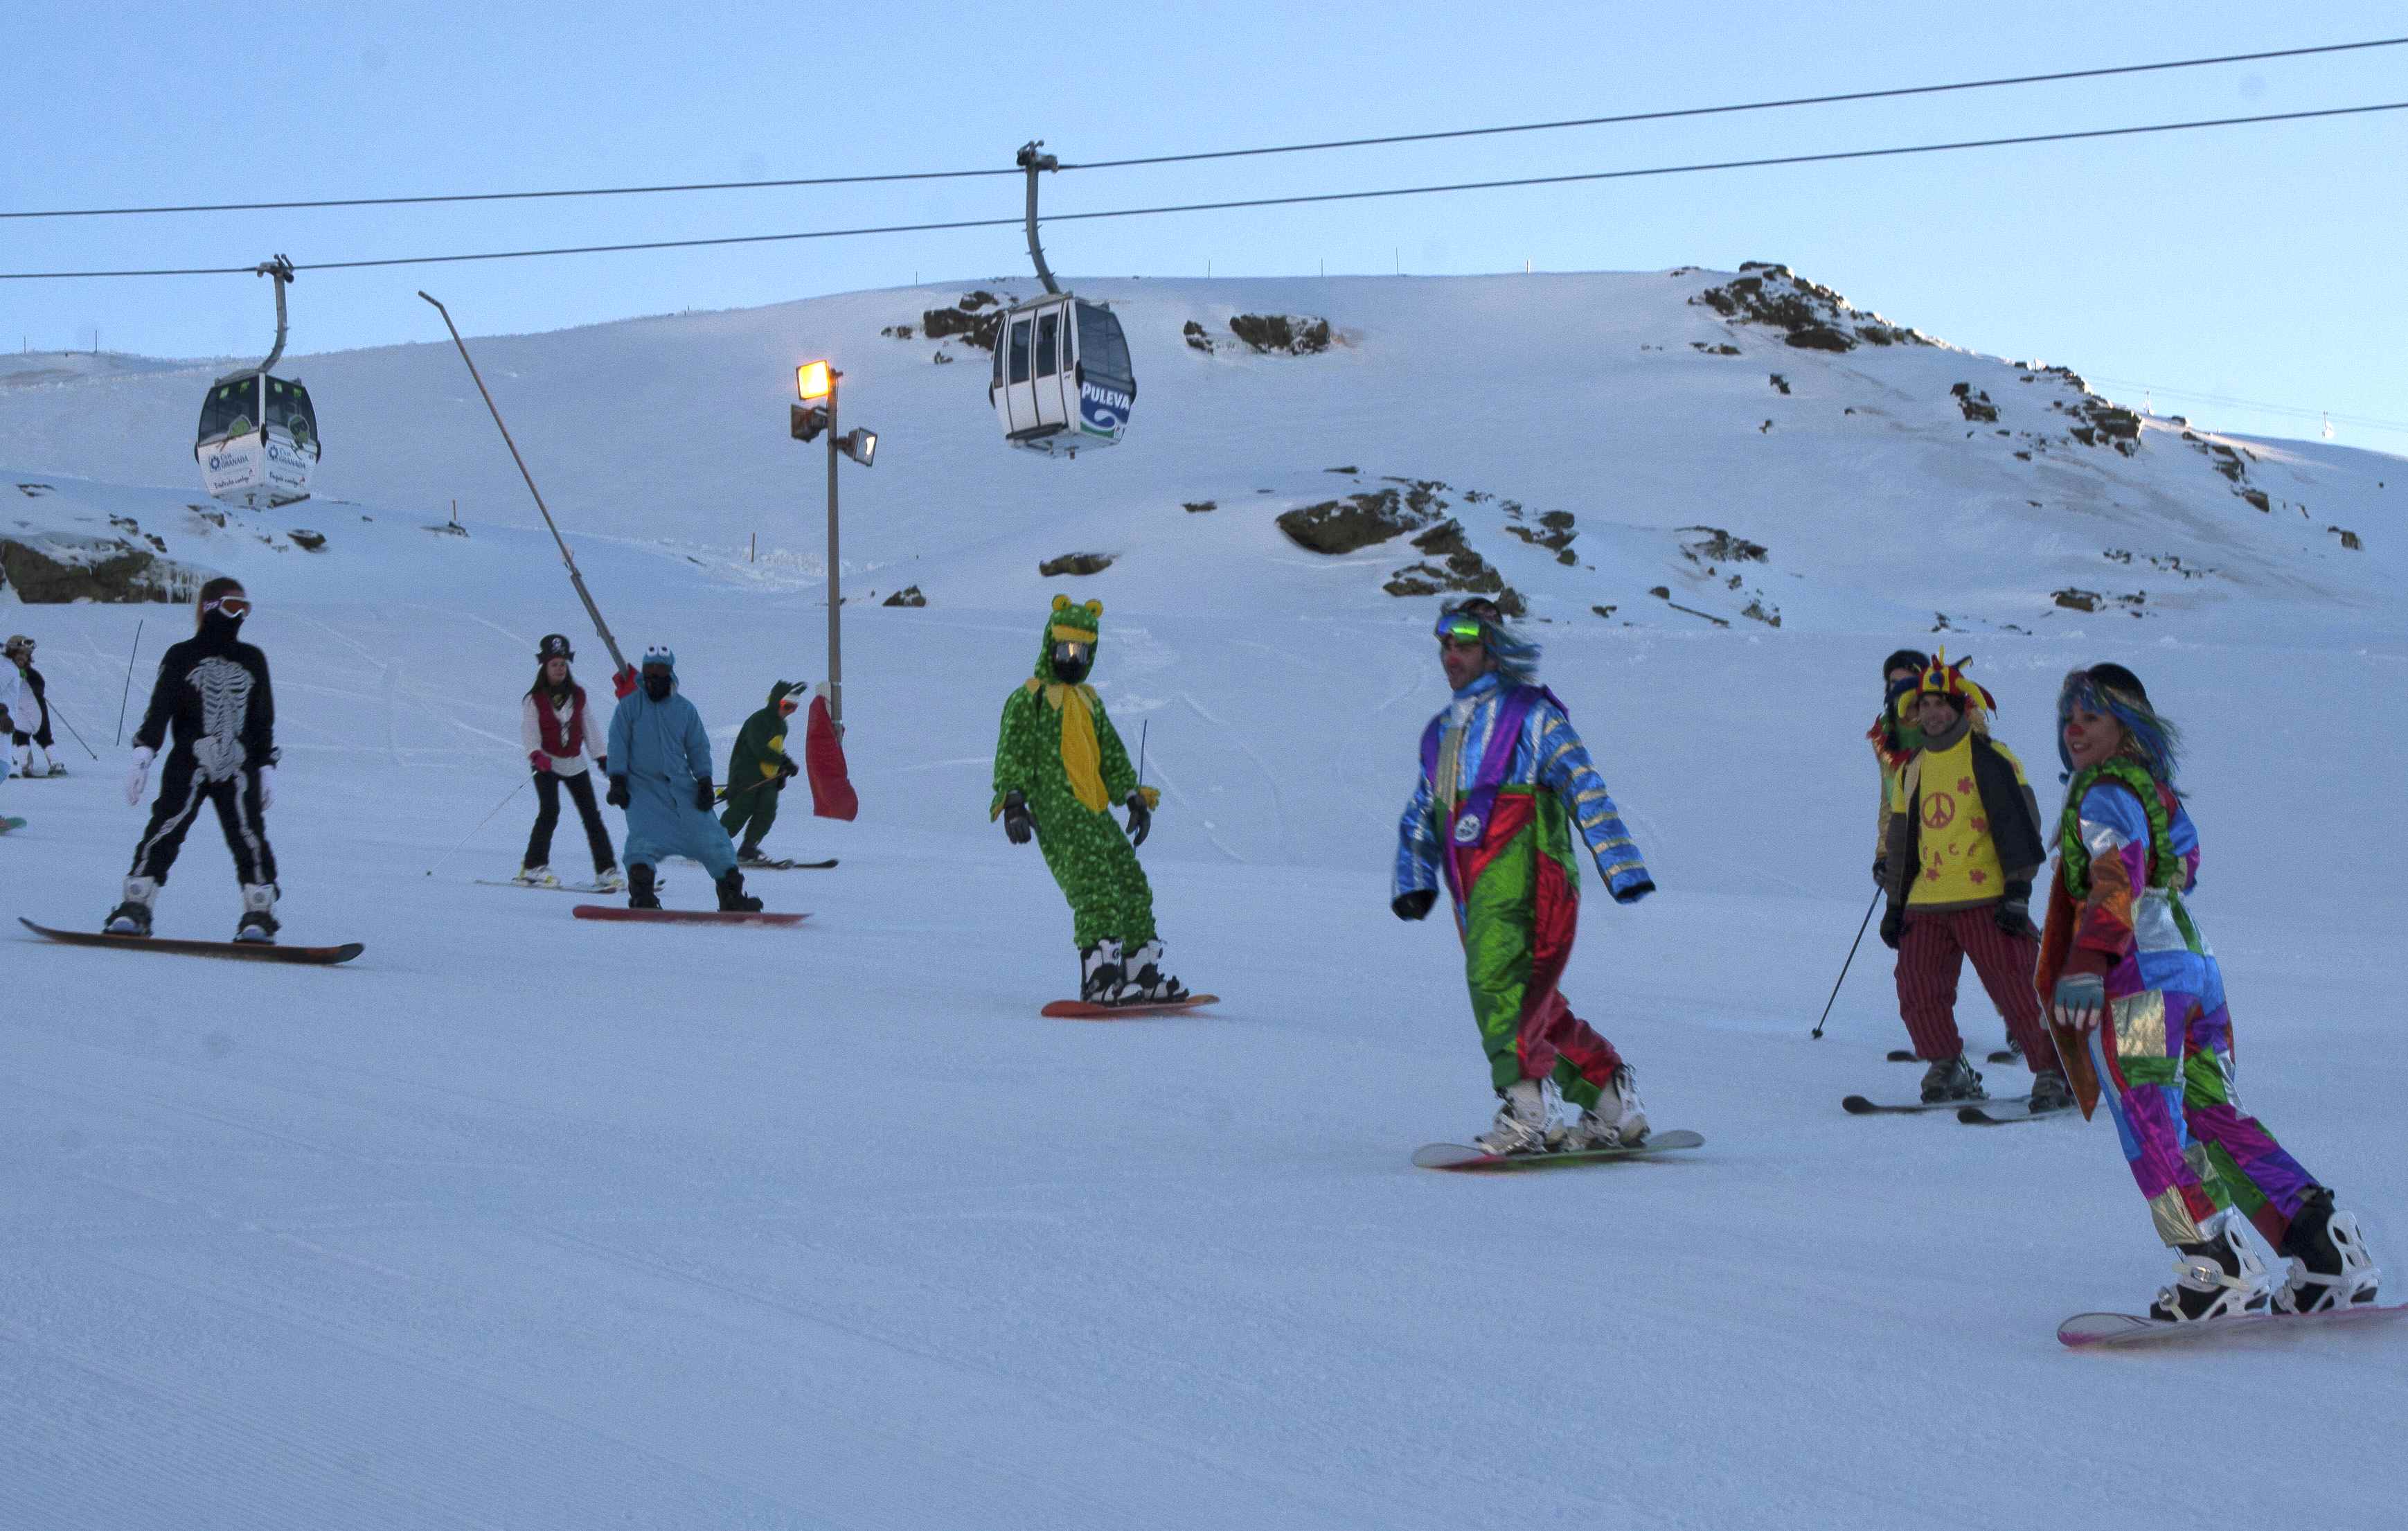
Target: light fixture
860,445
813,379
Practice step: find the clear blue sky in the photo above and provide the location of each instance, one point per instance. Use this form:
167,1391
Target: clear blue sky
2256,262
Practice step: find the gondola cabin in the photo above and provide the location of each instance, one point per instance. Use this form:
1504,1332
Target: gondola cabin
258,440
1062,380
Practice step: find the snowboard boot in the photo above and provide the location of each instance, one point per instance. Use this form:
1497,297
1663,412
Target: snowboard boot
133,917
2329,1266
58,767
536,877
750,855
733,900
610,880
1952,1079
1144,982
1100,979
258,923
2219,1277
2050,1092
1617,1121
640,887
1521,1125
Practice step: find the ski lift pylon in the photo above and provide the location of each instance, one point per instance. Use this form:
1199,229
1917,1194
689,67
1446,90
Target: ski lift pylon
1062,380
258,435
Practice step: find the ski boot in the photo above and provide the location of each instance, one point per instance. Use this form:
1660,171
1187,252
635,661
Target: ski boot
58,767
258,923
2329,1266
1617,1121
1952,1079
751,855
2219,1277
536,877
2050,1092
1143,982
733,900
133,917
1100,973
640,887
610,880
1521,1125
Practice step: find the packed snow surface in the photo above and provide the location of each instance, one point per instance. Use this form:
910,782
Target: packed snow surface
523,1221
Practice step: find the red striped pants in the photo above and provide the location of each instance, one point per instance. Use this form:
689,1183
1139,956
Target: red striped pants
1931,956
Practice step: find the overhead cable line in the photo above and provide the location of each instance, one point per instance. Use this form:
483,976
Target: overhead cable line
1829,157
2293,410
1668,114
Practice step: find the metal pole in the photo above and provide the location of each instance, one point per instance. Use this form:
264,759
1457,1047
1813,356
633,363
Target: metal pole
1852,957
53,711
128,692
835,592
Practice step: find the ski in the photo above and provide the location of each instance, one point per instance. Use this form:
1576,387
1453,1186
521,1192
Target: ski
256,951
1995,1055
2103,1329
2006,1113
1464,1156
683,916
785,865
587,889
1858,1105
1081,1010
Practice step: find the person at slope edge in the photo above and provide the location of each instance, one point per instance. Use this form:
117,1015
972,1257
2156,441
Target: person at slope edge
31,732
1506,793
660,758
557,729
758,768
213,690
1964,846
2137,1001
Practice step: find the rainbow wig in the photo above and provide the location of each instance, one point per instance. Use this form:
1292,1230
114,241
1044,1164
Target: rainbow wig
2111,690
1516,657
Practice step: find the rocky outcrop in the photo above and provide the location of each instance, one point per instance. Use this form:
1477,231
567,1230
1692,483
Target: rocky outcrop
1281,334
1076,563
1356,522
53,569
967,319
1808,316
908,595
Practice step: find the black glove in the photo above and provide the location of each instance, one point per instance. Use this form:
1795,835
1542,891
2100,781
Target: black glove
777,784
788,768
1416,905
1881,872
702,794
617,797
1017,825
2013,912
1893,926
603,761
1634,892
1140,818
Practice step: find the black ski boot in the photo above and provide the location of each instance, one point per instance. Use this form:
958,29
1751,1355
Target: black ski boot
2050,1092
733,900
2219,1277
1099,973
2329,1266
640,887
133,917
1952,1079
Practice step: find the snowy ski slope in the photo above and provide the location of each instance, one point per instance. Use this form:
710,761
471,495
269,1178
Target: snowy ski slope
522,1222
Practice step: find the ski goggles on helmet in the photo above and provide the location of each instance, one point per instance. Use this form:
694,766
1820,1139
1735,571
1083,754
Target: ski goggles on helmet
788,704
1461,629
19,645
231,605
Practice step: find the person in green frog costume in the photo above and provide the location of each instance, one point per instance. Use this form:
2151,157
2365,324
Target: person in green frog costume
1059,767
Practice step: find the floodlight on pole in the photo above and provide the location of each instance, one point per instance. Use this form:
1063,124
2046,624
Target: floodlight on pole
860,445
814,380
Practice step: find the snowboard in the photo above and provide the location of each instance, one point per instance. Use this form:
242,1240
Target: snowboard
1465,1156
587,889
2006,1113
1858,1105
1081,1010
256,951
2103,1330
1995,1055
683,916
785,864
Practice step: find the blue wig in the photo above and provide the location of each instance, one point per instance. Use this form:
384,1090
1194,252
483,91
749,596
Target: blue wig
2111,690
1516,657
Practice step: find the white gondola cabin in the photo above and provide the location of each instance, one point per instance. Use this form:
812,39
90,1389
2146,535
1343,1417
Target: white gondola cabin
258,436
1062,378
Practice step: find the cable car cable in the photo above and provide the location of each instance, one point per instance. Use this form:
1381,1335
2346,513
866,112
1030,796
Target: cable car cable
1827,157
1886,93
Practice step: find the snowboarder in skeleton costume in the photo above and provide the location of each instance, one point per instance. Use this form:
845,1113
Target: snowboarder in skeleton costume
213,692
1506,794
1059,767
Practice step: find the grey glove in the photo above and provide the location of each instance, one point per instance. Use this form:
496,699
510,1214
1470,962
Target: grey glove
2080,1000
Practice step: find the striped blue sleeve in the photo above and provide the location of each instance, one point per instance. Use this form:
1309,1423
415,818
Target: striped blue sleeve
1417,842
1563,767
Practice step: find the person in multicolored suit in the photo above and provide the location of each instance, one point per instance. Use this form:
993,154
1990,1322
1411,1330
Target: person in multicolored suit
1506,801
1964,846
2137,1002
1059,767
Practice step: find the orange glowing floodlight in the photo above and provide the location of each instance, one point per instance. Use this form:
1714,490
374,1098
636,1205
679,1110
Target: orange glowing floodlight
813,379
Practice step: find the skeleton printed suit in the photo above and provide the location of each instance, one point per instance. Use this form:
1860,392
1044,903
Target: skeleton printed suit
213,698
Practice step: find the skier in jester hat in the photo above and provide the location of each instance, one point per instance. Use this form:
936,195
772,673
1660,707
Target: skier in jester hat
1059,768
1506,803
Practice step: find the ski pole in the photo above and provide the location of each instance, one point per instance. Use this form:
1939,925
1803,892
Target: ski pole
480,824
127,693
1852,957
1142,729
51,708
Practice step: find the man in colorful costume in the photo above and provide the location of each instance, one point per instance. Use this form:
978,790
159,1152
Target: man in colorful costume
757,770
1506,794
1895,737
660,774
2137,1004
1964,846
1059,767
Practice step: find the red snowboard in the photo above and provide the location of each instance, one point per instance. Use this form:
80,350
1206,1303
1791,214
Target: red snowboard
682,916
1081,1010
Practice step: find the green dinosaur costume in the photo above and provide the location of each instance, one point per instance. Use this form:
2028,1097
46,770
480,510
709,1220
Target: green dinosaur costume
757,769
1059,751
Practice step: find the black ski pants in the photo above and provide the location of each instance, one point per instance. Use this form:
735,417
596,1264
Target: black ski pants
181,793
547,818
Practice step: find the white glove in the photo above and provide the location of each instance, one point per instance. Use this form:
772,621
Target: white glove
140,777
267,787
